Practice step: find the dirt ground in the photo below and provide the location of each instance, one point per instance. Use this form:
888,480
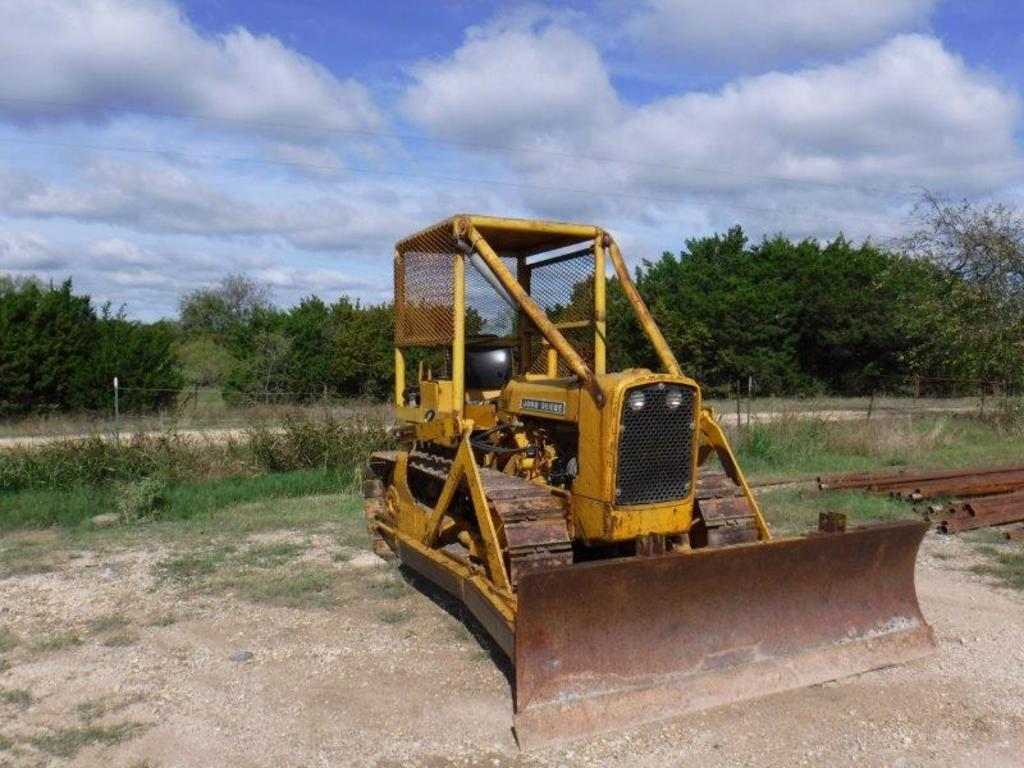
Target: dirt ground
138,656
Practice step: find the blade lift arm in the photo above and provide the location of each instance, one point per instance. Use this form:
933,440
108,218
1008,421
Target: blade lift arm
714,438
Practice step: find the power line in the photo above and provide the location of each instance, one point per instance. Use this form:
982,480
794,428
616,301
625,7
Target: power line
186,155
366,133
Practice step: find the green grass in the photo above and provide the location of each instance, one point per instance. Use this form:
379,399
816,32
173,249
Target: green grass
791,511
269,555
395,616
213,555
44,507
169,475
107,623
67,742
19,558
16,697
805,447
1006,564
4,665
57,642
190,566
5,744
120,640
391,586
8,640
41,508
91,711
309,586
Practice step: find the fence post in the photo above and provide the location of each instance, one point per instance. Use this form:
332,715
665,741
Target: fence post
117,404
739,406
750,396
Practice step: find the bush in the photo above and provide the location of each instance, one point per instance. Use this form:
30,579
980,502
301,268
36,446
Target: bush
1009,415
328,443
297,442
142,499
99,461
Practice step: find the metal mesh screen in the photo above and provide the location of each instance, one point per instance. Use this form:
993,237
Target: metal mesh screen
655,445
487,311
424,293
581,339
561,284
565,288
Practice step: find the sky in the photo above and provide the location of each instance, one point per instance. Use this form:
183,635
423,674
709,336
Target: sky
149,147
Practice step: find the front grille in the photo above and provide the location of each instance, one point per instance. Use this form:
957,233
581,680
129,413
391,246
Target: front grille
655,447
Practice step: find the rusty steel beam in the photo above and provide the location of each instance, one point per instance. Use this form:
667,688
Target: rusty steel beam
984,515
889,480
970,485
1015,533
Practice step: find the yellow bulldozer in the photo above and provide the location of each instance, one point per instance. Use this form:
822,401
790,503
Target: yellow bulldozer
575,511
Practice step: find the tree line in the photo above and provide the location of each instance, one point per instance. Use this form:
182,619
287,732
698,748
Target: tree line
799,317
59,353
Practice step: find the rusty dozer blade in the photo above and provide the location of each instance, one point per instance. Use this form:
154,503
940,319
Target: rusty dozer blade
604,645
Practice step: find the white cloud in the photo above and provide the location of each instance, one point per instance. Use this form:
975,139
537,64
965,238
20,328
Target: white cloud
315,281
159,198
146,227
117,55
757,32
148,197
512,81
906,113
28,252
121,252
903,114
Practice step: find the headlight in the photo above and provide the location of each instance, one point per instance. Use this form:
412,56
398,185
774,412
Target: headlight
636,400
674,398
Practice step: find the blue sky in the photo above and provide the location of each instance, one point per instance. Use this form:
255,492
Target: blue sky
148,147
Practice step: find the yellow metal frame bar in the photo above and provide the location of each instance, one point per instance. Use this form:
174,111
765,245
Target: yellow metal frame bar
600,353
495,609
399,377
715,437
524,277
661,347
459,334
464,467
582,231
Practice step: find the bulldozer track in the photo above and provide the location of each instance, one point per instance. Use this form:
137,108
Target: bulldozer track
532,519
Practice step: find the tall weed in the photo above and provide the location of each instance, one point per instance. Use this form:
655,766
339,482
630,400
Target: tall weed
129,465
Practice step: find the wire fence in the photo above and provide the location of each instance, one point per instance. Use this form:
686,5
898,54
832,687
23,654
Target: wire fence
208,407
885,397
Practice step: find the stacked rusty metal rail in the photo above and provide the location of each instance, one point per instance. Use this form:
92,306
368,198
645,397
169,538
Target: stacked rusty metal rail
982,497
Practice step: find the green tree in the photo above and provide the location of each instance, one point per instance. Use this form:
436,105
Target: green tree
46,338
205,361
56,354
141,356
363,362
310,328
977,310
223,308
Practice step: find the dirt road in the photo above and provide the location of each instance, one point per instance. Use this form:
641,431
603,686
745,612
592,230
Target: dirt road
113,659
221,434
